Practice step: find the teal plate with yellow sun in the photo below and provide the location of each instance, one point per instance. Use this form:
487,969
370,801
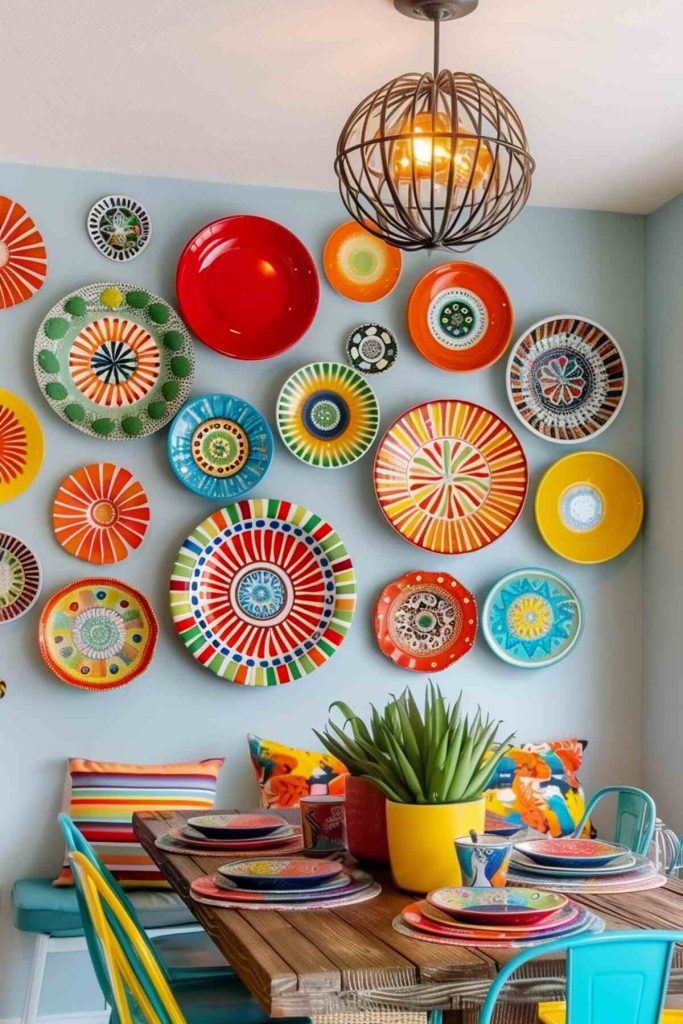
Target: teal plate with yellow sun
532,618
114,361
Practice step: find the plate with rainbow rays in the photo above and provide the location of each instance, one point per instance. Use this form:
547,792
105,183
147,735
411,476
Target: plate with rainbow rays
20,578
450,476
114,361
327,415
22,446
263,592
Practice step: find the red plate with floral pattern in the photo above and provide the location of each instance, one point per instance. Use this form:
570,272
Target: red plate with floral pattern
425,621
247,287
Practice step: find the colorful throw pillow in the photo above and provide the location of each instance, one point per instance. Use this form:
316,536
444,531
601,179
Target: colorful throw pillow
102,796
536,786
285,774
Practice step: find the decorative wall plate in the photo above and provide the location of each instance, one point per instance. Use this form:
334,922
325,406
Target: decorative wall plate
20,578
327,415
460,317
247,287
219,446
23,257
371,348
114,361
450,476
21,446
532,618
425,621
119,227
263,592
100,513
566,379
589,507
98,633
360,266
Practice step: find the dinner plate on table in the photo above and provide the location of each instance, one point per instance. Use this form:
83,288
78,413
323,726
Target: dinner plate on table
567,853
563,917
340,882
618,866
484,905
573,919
355,882
189,837
281,872
237,826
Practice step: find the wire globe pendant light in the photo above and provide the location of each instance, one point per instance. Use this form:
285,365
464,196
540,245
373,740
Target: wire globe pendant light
436,160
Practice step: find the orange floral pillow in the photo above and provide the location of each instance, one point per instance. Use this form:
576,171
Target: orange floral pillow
285,774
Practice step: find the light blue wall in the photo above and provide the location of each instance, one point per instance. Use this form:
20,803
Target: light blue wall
663,581
551,261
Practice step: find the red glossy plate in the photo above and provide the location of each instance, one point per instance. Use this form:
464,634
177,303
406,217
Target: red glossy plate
247,287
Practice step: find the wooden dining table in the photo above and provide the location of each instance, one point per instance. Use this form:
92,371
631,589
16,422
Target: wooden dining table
349,959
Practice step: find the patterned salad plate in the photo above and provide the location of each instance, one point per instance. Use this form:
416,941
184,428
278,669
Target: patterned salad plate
119,227
360,266
236,826
460,317
20,578
21,446
450,476
263,592
566,379
98,634
197,840
327,415
371,348
100,513
567,853
511,905
281,873
618,866
425,621
589,507
532,618
23,258
247,287
562,917
553,925
219,446
114,361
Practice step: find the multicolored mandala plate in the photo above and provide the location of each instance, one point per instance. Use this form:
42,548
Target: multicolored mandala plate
23,258
20,578
114,361
450,476
21,446
263,592
425,621
532,618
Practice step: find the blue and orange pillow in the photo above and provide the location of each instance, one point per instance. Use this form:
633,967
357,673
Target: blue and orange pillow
285,774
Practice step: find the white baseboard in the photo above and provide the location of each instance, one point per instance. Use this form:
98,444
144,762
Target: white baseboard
89,1017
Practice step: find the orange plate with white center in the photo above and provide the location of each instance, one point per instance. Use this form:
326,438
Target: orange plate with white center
100,513
359,265
425,621
460,317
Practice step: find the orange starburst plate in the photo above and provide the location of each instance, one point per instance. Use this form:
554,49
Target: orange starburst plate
21,445
23,258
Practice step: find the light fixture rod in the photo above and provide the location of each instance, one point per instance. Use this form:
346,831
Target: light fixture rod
437,39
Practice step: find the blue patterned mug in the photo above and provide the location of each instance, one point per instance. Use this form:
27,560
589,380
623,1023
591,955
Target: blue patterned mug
484,862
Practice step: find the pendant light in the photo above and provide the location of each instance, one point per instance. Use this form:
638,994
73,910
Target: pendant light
434,160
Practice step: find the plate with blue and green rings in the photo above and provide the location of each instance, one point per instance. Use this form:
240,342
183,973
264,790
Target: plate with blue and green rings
114,361
327,415
219,446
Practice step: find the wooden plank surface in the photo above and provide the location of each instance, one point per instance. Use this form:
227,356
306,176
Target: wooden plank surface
303,962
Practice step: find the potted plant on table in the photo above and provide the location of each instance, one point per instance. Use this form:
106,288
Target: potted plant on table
433,768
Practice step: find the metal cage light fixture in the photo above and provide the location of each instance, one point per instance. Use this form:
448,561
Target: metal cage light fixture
434,160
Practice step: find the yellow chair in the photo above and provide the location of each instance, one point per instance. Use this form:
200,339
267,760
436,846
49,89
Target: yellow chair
556,1013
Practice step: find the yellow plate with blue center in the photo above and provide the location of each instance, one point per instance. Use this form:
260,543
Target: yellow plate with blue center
589,507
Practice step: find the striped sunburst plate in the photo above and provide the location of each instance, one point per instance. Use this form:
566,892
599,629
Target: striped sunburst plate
20,578
327,415
23,258
263,592
566,379
450,476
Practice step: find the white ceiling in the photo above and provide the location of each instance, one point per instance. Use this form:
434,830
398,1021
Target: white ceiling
256,91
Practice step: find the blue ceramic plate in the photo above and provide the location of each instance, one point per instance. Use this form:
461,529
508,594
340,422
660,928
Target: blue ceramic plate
571,853
219,446
532,618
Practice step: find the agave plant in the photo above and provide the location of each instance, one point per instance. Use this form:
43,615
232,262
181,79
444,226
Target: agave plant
435,757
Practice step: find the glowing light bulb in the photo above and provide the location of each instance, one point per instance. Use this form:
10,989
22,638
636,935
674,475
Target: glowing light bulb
430,145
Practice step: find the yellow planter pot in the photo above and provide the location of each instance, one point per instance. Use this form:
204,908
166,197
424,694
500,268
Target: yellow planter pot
421,841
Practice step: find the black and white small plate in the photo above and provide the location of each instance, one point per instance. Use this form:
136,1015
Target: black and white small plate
119,227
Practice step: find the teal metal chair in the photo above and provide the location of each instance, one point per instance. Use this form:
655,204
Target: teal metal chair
635,816
615,976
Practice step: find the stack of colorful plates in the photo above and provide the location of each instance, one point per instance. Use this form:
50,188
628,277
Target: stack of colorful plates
483,917
285,883
581,865
236,834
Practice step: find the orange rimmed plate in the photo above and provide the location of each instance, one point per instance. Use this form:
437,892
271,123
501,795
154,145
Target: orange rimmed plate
23,258
360,266
589,507
460,317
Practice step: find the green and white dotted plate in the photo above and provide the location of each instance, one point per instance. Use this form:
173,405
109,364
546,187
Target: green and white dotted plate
114,361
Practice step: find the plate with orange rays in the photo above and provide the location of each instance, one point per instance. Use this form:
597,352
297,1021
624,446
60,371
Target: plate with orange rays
360,266
22,446
460,317
100,513
450,476
23,257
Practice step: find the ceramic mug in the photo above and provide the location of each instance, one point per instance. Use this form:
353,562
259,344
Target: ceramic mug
484,862
323,820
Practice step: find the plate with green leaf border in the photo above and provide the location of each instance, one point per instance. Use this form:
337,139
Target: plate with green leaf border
114,361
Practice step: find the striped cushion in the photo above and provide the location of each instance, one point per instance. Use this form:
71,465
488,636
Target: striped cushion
102,796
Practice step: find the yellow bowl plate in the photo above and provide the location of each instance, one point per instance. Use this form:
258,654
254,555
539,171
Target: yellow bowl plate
21,445
589,507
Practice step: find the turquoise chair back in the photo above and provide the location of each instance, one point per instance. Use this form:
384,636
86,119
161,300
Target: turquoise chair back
615,976
635,817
